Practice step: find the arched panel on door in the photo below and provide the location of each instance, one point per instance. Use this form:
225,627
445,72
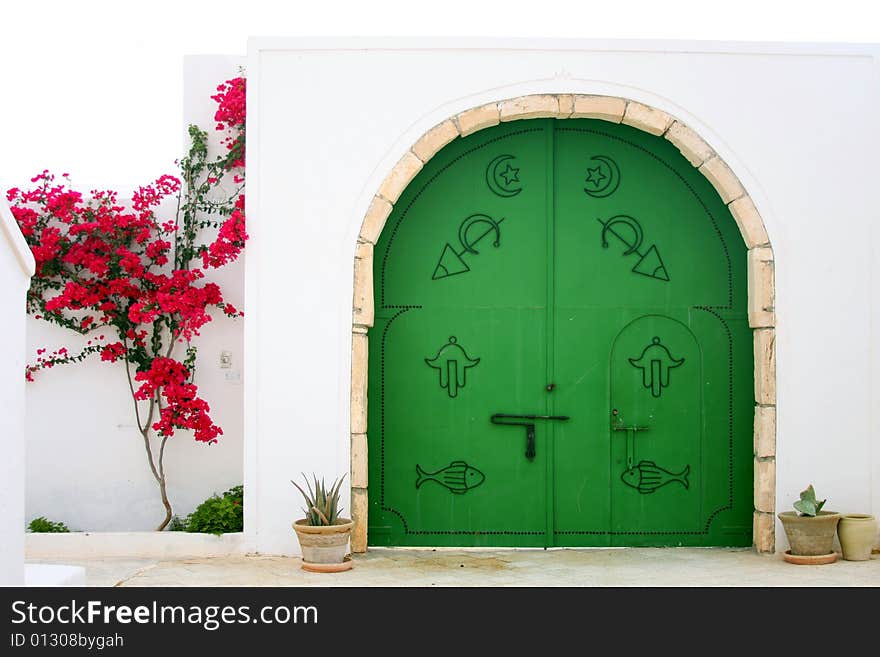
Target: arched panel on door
657,438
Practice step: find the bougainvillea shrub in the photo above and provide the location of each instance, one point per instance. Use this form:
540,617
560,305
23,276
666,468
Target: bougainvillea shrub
133,276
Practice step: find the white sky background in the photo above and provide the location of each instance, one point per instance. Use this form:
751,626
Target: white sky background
94,87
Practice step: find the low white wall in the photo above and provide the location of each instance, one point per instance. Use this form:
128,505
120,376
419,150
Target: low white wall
16,267
86,464
797,123
147,545
45,574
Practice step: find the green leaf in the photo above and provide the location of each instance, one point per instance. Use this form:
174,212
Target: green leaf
809,495
322,504
806,507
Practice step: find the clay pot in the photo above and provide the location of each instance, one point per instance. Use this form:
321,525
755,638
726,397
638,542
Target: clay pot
324,545
810,535
857,532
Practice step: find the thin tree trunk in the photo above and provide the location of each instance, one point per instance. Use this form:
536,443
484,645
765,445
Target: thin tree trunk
166,503
162,483
158,474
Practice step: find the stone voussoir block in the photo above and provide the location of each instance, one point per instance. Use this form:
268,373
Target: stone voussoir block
722,178
436,138
751,226
477,118
359,476
765,431
374,220
535,106
359,350
691,145
765,485
359,503
607,108
765,366
646,118
764,532
363,310
566,105
401,175
761,287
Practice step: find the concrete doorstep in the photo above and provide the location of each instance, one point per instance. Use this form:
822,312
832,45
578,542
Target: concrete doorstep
424,567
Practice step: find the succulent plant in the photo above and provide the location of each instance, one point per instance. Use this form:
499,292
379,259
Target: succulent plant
808,505
322,503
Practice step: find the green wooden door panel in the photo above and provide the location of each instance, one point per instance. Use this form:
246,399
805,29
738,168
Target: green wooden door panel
574,268
656,428
461,333
439,419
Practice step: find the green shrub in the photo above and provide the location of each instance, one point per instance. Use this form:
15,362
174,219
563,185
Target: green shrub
177,524
216,515
43,525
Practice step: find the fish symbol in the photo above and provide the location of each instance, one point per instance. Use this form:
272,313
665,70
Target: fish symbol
458,477
647,476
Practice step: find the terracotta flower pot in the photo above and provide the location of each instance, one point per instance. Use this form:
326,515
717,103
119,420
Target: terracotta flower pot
810,535
857,532
324,546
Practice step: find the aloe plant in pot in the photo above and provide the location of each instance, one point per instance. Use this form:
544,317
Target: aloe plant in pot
323,534
810,530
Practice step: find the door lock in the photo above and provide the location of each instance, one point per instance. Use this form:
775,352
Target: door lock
631,432
527,421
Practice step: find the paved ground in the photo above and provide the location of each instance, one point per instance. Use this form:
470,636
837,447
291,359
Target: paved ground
512,567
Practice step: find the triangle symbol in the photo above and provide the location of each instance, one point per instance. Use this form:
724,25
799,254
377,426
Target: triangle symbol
450,263
651,264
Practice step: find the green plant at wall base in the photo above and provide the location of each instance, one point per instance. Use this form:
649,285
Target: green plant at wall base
219,514
43,525
808,505
322,503
177,524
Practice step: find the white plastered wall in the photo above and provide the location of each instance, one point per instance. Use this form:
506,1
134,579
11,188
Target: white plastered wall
329,119
16,268
86,464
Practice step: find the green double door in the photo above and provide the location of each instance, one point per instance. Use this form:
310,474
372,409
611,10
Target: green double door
561,354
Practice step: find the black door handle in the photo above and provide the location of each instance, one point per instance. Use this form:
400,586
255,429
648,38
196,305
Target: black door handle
527,421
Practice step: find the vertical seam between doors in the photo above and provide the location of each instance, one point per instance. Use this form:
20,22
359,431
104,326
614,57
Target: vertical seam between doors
550,439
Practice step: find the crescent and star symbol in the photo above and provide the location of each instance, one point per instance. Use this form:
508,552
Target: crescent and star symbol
500,180
510,174
595,176
602,179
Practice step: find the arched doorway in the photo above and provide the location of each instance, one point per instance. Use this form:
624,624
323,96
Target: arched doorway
561,352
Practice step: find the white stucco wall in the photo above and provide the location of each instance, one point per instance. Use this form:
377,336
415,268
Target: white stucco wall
330,118
16,268
86,464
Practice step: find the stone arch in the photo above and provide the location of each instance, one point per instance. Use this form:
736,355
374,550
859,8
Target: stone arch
761,282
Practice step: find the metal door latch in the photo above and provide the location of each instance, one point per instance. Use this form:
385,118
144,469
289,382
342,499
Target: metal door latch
527,421
630,440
